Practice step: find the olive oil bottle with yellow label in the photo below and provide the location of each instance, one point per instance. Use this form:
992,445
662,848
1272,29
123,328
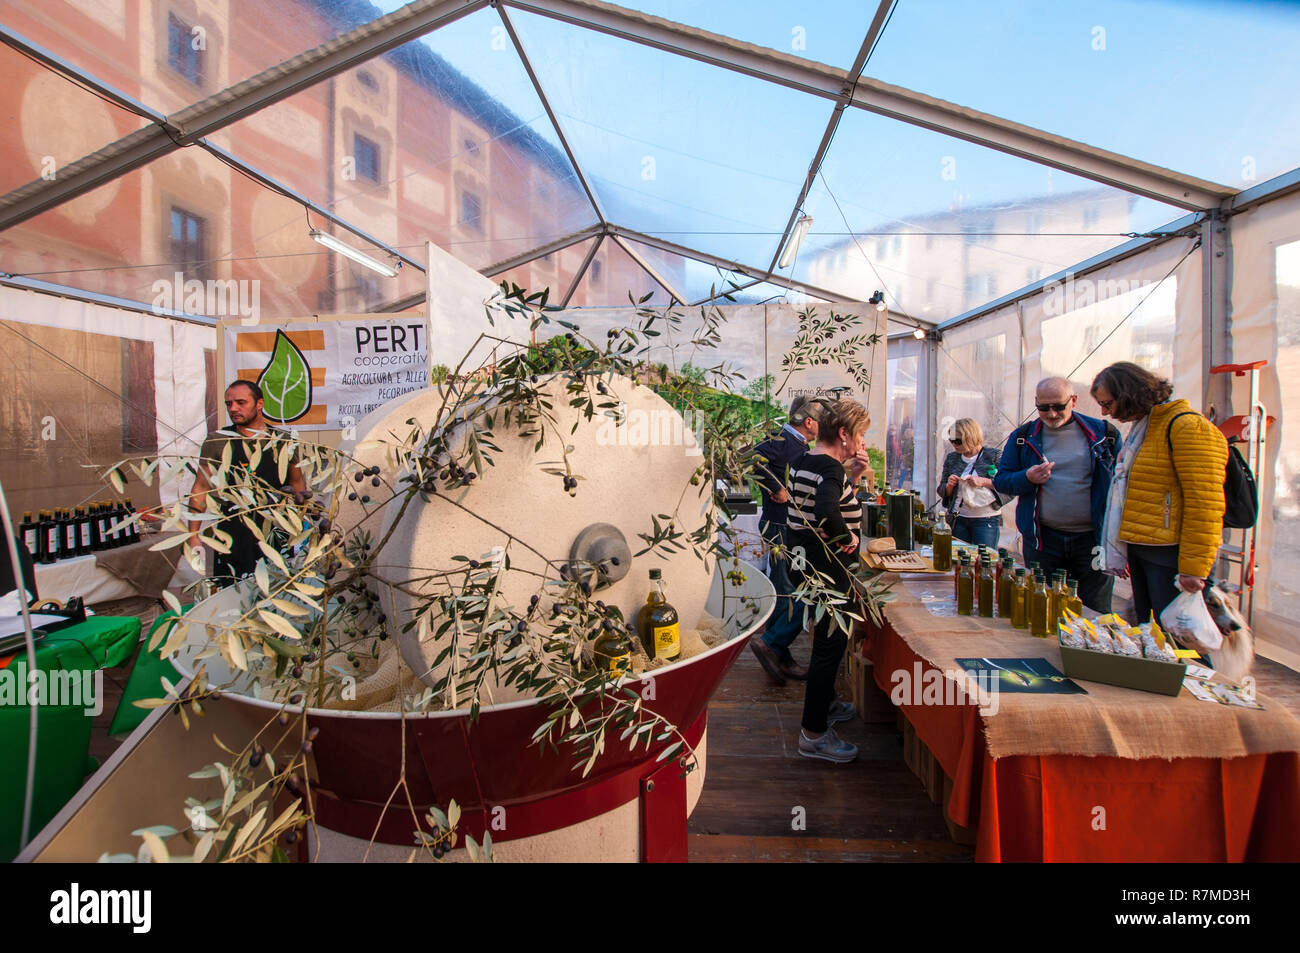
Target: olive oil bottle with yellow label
656,623
612,652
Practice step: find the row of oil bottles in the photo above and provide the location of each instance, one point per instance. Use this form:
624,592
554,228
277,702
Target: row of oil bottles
78,531
990,583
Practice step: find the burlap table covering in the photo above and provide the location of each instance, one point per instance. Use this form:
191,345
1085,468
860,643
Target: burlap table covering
1108,721
148,572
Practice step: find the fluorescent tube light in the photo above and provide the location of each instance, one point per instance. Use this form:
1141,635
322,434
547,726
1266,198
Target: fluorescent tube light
796,239
360,257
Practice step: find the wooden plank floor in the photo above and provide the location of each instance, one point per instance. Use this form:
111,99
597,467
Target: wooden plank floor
757,786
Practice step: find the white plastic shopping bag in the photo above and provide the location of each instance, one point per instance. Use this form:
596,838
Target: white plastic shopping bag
1189,622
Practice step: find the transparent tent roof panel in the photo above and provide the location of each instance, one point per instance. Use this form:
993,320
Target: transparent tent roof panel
942,226
694,154
169,56
245,246
1169,83
39,139
413,149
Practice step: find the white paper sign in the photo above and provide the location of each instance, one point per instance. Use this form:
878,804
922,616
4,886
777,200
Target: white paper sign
327,375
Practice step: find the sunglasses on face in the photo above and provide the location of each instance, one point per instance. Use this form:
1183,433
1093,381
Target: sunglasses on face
955,441
1044,408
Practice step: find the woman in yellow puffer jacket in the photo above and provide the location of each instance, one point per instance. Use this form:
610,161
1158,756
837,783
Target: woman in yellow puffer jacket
1165,518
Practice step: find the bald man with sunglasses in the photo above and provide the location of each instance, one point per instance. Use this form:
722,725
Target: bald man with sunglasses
1059,467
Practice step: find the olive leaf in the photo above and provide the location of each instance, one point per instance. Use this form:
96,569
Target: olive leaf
285,382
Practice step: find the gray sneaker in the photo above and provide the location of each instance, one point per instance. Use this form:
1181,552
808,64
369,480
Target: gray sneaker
840,712
828,747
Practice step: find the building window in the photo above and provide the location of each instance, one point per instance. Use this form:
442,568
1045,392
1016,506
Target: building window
1091,216
471,211
595,269
188,240
181,54
367,80
367,289
366,152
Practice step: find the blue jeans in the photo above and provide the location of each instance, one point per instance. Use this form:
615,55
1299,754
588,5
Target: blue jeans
980,530
1073,552
786,621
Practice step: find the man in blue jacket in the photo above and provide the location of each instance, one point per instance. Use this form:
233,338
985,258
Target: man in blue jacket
772,646
1059,468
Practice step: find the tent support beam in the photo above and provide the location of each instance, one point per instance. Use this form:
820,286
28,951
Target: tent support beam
797,73
674,295
541,251
582,271
855,72
725,264
550,113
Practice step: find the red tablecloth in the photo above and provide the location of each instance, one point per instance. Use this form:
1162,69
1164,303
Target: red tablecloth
1078,808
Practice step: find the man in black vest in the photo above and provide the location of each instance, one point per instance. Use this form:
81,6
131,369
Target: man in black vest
244,405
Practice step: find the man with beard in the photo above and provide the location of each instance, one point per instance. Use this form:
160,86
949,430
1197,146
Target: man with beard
259,442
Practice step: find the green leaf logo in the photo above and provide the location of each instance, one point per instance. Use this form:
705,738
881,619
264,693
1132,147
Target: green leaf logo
285,382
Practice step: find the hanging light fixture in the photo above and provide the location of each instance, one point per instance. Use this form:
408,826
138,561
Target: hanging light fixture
360,257
796,239
919,333
878,299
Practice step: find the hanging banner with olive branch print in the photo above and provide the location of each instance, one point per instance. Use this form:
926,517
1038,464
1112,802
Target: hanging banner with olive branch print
327,373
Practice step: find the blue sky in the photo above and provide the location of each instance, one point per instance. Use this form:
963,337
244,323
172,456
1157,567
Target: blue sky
714,160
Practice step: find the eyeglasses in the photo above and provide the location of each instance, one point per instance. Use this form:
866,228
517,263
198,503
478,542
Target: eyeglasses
1044,408
1106,405
955,441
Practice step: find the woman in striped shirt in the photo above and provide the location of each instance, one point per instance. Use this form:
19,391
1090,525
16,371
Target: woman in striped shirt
823,522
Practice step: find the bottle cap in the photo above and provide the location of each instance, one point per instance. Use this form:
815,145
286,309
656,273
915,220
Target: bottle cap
656,573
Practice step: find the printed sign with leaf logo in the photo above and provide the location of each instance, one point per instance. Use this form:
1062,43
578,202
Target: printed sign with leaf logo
328,373
285,382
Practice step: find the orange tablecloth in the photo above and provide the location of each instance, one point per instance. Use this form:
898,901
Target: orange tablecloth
1078,808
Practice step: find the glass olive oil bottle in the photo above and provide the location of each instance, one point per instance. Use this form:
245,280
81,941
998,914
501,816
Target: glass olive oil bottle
965,588
656,623
1072,597
942,545
1019,592
987,584
613,653
1038,607
1006,580
1055,599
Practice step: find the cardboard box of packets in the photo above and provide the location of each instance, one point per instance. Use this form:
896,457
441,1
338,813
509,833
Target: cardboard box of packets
1085,661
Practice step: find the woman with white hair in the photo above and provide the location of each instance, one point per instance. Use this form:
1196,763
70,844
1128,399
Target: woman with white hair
966,486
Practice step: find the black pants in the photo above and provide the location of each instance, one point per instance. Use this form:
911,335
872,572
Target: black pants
829,641
1153,571
1073,552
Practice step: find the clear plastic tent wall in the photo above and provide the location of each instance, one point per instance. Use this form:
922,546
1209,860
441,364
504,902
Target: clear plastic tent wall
953,156
1148,308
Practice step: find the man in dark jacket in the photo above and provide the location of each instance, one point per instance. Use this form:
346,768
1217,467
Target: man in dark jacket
774,455
1059,466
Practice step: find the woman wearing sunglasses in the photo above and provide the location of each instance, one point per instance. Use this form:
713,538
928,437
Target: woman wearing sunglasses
973,511
1165,512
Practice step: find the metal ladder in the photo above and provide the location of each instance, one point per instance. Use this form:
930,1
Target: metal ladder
1249,429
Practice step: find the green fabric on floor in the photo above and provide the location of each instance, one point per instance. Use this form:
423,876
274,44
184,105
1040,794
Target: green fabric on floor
144,681
63,731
